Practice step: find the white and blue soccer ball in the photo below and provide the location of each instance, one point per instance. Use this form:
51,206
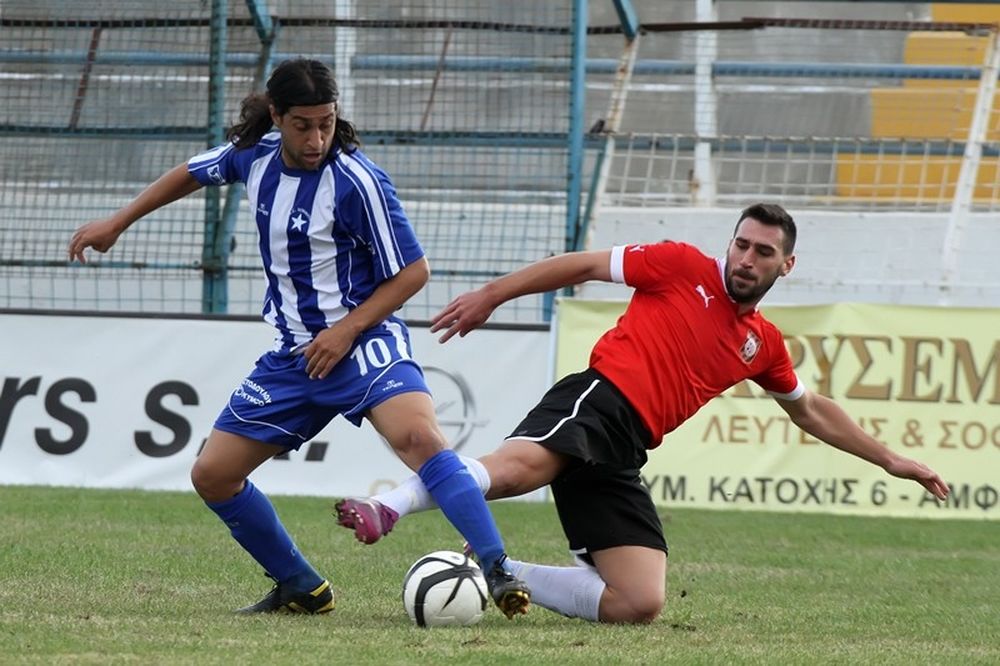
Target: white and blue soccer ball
445,588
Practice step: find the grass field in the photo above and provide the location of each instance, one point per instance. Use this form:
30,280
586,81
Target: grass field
102,577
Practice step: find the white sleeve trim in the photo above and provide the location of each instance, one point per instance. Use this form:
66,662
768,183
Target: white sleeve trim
211,156
618,264
795,394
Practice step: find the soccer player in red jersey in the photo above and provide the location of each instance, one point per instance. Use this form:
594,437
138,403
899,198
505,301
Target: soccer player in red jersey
691,331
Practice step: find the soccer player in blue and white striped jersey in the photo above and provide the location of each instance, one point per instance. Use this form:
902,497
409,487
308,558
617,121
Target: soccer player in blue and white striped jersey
339,256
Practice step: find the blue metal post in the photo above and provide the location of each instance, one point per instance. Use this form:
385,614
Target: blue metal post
574,173
214,253
629,19
623,74
581,230
574,143
262,22
267,33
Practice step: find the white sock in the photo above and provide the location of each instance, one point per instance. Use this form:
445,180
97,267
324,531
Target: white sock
570,591
411,495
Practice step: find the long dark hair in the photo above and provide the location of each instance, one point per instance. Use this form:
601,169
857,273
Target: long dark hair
298,82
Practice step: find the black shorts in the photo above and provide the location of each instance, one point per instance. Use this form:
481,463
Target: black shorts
600,498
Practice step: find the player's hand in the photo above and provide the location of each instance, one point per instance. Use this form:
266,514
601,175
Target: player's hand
100,235
326,350
467,312
905,468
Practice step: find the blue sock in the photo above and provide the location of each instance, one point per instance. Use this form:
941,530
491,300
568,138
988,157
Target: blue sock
254,524
448,481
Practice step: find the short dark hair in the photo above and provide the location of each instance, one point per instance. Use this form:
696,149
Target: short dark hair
773,215
296,82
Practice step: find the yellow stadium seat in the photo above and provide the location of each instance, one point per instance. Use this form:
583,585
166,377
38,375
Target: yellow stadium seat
965,13
928,113
927,109
910,178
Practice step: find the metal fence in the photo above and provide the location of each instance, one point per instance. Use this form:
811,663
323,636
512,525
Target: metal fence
507,127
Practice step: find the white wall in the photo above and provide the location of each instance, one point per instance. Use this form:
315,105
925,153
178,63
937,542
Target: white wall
842,256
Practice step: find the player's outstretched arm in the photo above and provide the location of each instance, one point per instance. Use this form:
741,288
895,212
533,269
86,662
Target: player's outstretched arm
102,234
471,310
824,419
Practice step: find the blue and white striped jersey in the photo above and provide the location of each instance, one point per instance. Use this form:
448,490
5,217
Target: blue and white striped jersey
327,238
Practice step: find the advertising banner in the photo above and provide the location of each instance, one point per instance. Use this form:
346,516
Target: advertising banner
923,381
120,402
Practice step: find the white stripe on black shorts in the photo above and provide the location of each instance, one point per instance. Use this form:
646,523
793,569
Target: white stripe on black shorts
600,497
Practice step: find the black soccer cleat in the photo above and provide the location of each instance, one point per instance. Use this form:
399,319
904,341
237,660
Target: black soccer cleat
283,599
510,594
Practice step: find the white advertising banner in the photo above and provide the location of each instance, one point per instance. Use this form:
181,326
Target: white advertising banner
119,402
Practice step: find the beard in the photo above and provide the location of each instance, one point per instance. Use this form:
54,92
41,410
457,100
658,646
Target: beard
755,290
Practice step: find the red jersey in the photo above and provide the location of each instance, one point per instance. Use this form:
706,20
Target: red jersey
681,341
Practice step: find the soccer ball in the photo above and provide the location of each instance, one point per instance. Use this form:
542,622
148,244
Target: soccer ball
444,588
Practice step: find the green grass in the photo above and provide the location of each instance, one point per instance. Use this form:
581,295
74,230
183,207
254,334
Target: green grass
102,577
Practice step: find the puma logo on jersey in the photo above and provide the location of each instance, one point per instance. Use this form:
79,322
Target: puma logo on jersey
701,292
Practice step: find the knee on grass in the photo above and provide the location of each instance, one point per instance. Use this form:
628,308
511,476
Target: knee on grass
636,607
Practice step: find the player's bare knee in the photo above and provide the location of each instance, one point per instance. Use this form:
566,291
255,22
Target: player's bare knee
199,479
212,486
646,611
645,607
202,483
421,443
633,607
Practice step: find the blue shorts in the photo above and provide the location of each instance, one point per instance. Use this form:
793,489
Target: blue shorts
279,404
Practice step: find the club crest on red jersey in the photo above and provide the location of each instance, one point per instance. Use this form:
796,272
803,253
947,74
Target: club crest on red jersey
750,347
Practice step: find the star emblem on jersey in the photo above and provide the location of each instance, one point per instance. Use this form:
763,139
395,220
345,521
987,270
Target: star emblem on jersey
299,219
750,347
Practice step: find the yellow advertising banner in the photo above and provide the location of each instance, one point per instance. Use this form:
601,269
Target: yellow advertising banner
924,381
